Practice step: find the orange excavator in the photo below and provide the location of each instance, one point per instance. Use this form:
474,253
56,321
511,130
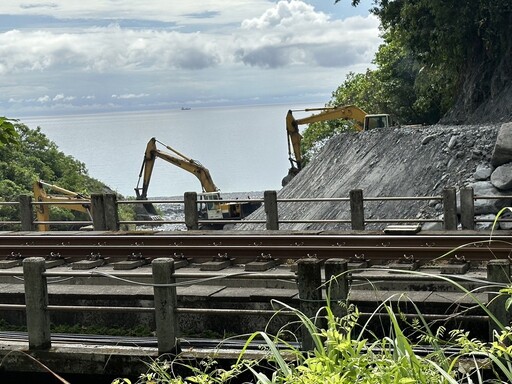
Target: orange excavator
362,120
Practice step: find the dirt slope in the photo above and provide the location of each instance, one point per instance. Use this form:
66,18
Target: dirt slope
387,162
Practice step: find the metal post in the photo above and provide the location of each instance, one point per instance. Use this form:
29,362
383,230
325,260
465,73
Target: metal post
309,282
26,213
467,208
111,213
271,212
36,302
191,213
97,209
450,209
498,273
165,305
357,210
336,279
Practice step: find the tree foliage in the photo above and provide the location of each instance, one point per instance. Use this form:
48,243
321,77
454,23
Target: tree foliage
441,60
8,134
469,42
34,157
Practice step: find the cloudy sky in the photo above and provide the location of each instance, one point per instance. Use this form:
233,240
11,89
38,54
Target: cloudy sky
77,56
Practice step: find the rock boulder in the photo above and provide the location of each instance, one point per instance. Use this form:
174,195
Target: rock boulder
502,152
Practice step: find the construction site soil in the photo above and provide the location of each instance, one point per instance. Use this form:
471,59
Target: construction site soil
405,162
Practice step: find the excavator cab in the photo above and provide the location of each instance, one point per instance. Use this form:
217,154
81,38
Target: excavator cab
377,121
209,210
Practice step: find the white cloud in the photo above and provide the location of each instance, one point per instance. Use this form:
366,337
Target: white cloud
43,99
130,96
289,33
293,33
60,97
251,50
294,14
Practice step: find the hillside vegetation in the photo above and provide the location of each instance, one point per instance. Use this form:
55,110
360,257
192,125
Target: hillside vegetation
30,156
442,61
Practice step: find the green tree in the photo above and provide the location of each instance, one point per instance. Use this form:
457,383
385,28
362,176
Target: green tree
8,133
466,43
448,60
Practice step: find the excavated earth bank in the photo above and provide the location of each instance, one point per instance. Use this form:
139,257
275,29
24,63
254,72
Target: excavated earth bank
393,162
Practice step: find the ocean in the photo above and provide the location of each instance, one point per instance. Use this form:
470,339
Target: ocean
244,147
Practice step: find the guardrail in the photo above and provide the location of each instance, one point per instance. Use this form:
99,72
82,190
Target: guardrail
334,284
105,211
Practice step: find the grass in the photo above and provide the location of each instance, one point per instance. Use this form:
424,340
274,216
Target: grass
346,352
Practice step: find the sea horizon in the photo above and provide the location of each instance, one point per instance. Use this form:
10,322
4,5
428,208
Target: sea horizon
244,147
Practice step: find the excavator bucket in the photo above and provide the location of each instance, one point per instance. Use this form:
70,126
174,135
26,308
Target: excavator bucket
145,211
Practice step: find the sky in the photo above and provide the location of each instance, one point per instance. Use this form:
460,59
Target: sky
75,57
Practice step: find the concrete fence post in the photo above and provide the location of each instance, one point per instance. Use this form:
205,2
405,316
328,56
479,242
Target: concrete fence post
97,209
309,282
165,305
357,210
336,278
110,212
271,212
36,302
467,208
498,273
26,213
450,209
191,212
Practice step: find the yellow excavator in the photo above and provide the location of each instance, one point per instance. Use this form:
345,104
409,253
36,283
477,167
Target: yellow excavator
63,199
363,122
207,211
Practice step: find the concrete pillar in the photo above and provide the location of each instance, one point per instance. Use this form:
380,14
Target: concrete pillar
36,302
97,209
26,213
271,212
309,280
110,211
498,272
357,210
336,278
450,209
191,213
165,305
467,208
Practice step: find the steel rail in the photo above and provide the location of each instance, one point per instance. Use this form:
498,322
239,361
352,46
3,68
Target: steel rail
66,237
244,251
247,247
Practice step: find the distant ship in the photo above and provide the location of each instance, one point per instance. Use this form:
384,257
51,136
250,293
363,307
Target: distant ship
185,108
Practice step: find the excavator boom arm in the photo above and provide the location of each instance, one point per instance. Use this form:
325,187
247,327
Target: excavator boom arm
346,112
67,199
292,126
183,162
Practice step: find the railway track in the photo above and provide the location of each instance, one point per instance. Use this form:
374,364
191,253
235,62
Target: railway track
243,248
